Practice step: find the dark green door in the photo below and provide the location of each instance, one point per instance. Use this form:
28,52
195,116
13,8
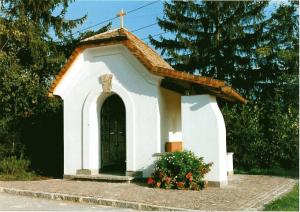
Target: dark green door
113,144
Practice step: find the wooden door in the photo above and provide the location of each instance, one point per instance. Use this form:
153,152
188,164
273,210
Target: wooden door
113,136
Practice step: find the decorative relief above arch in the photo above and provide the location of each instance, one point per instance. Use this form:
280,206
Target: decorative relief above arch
106,80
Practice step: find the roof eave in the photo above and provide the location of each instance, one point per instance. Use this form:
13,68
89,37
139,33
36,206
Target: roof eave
218,87
233,93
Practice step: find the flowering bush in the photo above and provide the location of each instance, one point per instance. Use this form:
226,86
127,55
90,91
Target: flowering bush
179,170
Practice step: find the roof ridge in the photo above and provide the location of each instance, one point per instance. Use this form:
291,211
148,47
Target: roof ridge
102,34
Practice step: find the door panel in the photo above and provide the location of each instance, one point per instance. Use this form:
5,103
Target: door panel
113,142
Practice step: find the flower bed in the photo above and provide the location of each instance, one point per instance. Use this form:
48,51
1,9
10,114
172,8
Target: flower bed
179,170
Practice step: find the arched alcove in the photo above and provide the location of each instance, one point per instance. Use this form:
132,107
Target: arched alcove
91,123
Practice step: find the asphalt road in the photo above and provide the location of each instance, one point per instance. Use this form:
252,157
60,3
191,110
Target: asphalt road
20,203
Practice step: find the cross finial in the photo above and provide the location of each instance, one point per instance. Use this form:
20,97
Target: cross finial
121,14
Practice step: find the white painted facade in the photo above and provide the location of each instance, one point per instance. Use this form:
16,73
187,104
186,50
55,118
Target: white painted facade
170,116
230,163
154,115
204,133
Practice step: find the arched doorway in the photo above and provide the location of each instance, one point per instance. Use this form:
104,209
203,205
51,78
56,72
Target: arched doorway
113,135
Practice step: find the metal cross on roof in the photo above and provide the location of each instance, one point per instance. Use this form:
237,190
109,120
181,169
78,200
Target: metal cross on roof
121,14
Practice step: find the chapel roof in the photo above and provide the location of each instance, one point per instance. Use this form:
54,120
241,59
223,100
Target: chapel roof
154,63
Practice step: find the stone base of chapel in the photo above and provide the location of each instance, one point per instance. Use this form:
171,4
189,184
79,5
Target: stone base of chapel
136,174
230,173
218,184
87,171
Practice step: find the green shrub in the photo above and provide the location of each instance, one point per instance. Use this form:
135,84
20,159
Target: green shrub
14,166
179,170
264,134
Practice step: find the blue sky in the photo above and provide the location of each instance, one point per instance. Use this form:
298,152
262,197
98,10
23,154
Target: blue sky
99,11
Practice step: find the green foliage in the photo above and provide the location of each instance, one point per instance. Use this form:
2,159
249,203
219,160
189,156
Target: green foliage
29,59
180,170
289,202
14,166
244,134
257,55
214,38
263,135
26,176
290,173
232,41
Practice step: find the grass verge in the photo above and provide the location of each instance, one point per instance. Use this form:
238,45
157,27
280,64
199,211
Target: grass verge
289,202
272,172
28,176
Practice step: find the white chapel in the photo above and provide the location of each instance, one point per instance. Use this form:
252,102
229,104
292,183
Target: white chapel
124,105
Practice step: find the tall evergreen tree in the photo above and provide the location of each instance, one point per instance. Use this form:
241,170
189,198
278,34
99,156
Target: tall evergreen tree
29,59
256,52
278,55
214,38
27,28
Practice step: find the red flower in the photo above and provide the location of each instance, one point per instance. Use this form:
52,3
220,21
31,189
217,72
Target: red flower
188,175
150,181
180,184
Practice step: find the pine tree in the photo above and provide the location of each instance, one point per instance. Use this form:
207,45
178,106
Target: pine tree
255,53
34,44
278,55
213,38
27,26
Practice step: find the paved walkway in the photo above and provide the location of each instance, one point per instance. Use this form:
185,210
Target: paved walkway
19,203
244,192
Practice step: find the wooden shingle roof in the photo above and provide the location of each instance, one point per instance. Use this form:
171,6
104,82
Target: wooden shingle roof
151,60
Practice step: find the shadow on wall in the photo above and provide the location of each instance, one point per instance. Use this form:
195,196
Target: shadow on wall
148,170
43,139
196,106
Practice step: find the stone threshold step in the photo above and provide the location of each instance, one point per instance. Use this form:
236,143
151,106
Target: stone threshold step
101,177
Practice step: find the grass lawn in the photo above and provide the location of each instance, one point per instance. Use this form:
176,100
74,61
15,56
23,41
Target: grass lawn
273,172
27,176
289,202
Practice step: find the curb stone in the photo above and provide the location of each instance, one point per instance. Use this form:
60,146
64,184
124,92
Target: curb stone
90,200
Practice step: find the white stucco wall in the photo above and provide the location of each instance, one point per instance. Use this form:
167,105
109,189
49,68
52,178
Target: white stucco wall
154,115
170,114
81,91
203,132
230,163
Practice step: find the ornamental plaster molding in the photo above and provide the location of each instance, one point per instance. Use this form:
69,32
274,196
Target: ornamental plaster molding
106,80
